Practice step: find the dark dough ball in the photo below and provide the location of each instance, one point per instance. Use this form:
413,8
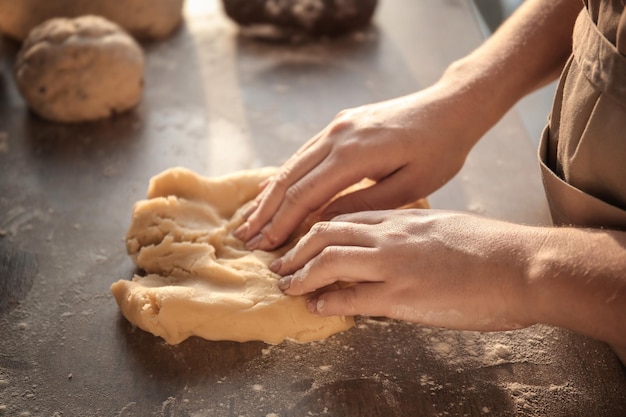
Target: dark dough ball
315,17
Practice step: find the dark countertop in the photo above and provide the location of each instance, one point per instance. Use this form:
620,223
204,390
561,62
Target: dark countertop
217,102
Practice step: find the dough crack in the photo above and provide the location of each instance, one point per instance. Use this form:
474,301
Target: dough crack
153,305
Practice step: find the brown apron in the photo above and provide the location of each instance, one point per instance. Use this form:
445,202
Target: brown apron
583,148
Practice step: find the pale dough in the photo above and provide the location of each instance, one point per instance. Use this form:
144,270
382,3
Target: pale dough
200,280
73,70
146,19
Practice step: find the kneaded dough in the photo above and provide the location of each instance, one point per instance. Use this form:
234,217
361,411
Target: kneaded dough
73,70
200,280
144,19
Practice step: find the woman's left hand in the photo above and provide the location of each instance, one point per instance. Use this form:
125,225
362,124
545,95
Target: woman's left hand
438,268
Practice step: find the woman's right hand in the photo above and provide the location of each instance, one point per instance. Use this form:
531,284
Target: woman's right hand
410,146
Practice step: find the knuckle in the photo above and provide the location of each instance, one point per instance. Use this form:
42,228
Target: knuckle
319,228
342,122
351,112
320,267
327,257
294,195
281,180
270,236
300,197
296,286
343,114
298,279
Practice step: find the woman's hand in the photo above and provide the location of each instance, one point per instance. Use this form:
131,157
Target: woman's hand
412,145
438,268
409,146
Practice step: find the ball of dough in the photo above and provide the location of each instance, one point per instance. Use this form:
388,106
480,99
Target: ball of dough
73,70
316,17
145,19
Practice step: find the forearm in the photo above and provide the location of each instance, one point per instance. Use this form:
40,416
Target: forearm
525,53
577,280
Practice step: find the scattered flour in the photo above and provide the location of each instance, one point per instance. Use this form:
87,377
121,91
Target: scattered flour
4,142
442,348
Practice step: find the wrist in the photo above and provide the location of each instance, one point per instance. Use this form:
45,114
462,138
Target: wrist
521,295
482,87
538,261
576,280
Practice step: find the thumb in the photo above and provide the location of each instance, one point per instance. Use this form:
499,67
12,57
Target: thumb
360,299
388,193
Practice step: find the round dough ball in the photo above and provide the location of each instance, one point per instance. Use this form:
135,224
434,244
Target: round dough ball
145,19
315,17
73,70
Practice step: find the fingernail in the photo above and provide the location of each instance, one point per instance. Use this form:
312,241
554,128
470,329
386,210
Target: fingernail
254,242
275,265
315,305
241,231
284,283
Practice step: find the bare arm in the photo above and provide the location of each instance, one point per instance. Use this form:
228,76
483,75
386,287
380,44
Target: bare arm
527,52
436,267
577,280
463,271
420,141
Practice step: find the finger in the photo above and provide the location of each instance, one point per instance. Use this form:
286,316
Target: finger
366,218
321,235
360,299
273,193
293,160
389,193
254,204
263,185
306,196
333,264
